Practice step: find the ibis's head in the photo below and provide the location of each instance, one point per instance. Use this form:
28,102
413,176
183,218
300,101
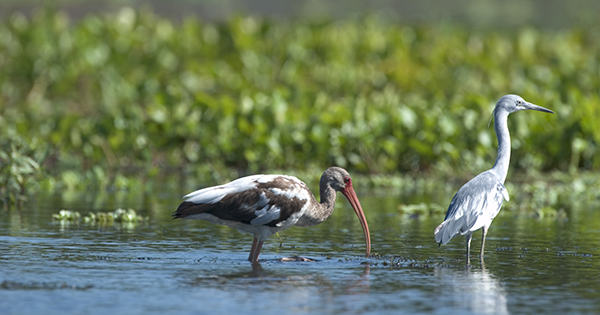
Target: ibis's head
339,179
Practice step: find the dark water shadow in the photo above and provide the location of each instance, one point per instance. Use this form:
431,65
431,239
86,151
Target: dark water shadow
41,285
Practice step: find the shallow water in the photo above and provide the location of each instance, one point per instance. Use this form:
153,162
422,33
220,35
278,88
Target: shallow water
193,267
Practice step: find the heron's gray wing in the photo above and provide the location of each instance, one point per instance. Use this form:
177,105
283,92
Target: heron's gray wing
475,205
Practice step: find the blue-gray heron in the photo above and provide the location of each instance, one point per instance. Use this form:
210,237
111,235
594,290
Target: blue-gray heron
478,202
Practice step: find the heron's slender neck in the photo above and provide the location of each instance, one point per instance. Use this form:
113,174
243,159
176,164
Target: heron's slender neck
503,159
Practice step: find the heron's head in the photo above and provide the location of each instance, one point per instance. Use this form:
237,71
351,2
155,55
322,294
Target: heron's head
514,103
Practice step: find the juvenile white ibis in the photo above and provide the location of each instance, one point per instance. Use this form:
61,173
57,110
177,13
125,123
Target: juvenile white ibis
265,204
478,202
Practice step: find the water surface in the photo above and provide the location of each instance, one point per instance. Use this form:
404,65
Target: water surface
193,267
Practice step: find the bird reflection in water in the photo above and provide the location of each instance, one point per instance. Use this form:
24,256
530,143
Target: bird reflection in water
472,289
273,278
262,288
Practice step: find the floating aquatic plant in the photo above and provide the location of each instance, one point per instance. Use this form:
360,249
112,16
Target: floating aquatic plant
118,215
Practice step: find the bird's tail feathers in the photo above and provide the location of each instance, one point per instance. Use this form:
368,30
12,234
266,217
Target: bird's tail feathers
438,235
187,208
438,228
445,232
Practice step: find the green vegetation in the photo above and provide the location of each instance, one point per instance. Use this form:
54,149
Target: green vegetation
132,94
19,167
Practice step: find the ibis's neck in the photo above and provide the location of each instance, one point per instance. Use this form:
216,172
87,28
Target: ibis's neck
503,159
325,208
318,212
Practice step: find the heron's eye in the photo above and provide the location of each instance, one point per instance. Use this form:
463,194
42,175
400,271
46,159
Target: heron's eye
519,103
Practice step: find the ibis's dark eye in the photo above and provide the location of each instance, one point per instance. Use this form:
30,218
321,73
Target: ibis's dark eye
347,179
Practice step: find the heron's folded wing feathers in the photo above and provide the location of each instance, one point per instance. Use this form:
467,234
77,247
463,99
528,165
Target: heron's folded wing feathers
474,206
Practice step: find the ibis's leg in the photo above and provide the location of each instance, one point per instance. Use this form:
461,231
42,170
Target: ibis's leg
255,250
468,238
484,232
258,248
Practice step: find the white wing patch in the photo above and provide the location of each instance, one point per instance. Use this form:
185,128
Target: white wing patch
269,178
296,191
265,213
216,193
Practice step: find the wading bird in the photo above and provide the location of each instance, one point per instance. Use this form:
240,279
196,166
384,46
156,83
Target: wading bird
478,202
265,204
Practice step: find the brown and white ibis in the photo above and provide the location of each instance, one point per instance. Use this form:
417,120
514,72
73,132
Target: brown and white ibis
266,204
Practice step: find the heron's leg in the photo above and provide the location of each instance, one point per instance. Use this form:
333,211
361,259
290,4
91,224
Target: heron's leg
468,239
255,250
484,232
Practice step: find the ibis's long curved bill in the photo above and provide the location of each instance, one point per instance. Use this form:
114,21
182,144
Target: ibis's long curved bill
351,196
538,108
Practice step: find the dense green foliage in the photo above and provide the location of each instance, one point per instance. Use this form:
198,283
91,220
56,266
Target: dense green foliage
135,91
19,167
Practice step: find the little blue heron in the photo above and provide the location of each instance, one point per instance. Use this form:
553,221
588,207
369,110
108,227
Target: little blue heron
478,202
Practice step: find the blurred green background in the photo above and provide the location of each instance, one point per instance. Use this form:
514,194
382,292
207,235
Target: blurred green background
105,91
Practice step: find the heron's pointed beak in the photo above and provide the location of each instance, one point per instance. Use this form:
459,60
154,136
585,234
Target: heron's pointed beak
351,196
538,108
